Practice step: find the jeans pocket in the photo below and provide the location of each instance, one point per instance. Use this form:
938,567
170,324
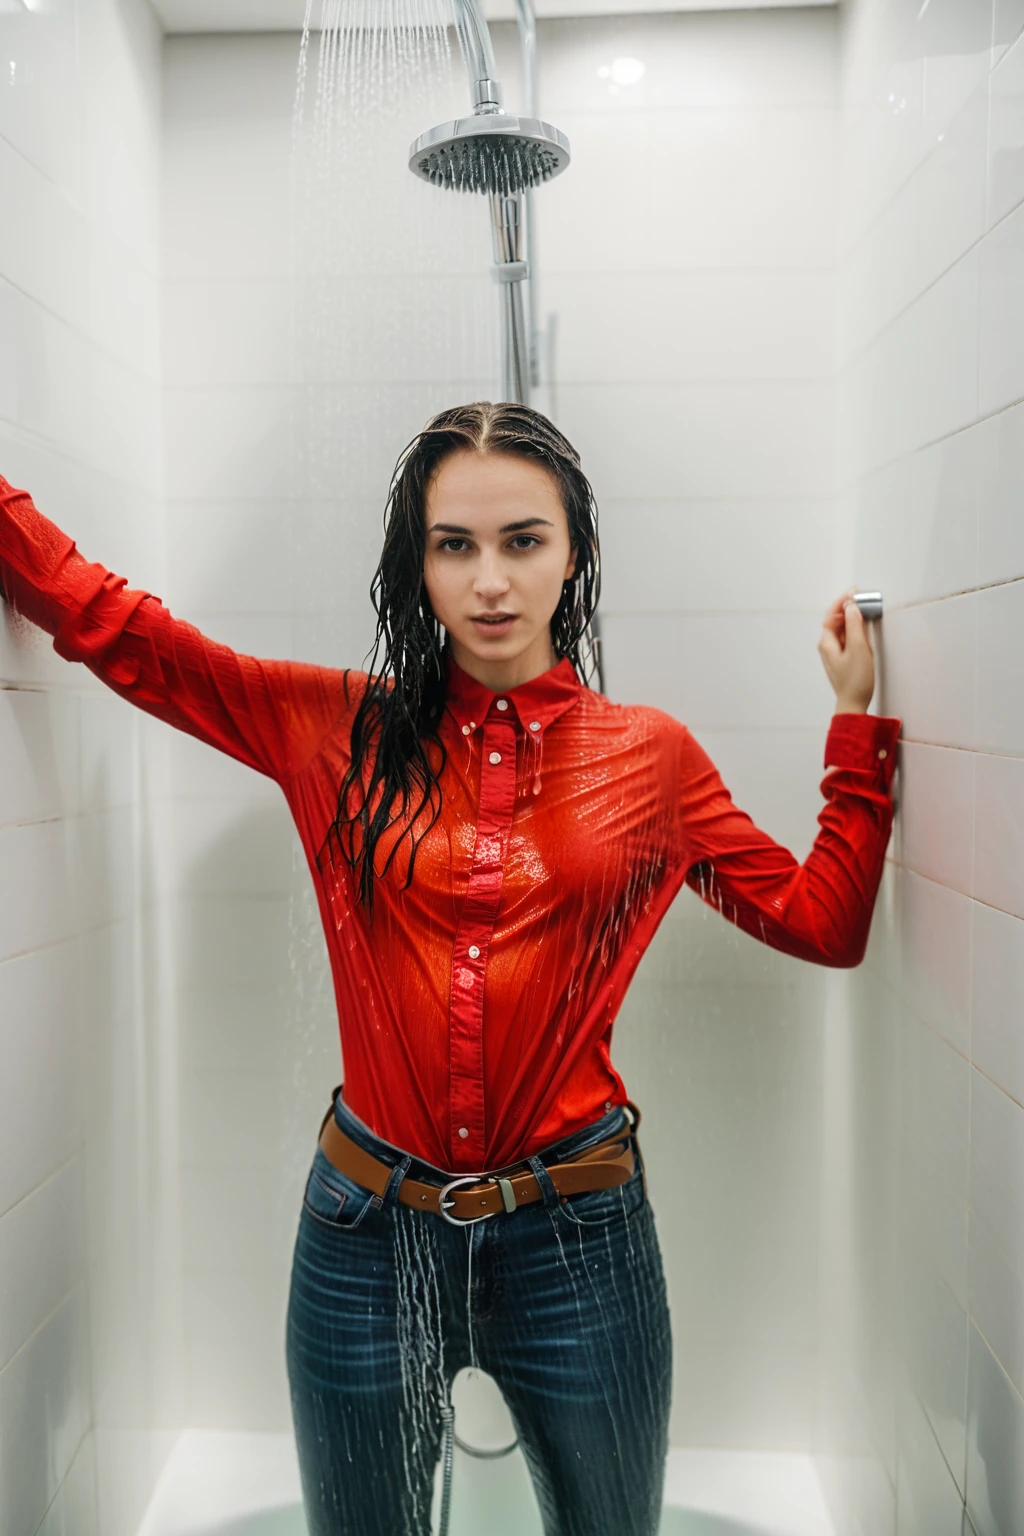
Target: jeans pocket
600,1207
333,1199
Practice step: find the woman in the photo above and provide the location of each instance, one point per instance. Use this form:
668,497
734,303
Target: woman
493,847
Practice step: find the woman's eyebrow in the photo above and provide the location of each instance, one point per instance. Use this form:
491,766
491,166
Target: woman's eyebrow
526,522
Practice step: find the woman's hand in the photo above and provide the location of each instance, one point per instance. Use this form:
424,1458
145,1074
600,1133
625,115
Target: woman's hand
846,655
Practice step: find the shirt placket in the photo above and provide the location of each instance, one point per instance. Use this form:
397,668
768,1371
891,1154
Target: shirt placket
467,1125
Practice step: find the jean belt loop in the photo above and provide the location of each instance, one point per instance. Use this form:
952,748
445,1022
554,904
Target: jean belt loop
547,1188
634,1122
398,1173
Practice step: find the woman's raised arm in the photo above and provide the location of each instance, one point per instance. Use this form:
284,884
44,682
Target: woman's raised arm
271,715
819,910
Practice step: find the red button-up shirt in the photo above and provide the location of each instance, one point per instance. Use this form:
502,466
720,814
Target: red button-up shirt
476,1007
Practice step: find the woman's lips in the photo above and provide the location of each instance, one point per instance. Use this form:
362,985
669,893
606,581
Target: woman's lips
498,624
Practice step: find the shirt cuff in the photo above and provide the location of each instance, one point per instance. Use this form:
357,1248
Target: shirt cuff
863,741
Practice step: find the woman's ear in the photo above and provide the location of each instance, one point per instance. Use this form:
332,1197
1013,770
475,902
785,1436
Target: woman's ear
570,569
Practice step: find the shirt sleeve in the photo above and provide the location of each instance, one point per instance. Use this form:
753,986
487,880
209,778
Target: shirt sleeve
820,910
271,715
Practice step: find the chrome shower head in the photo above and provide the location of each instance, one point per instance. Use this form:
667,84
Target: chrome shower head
490,152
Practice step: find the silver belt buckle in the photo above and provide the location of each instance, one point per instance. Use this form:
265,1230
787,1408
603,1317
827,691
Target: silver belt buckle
462,1221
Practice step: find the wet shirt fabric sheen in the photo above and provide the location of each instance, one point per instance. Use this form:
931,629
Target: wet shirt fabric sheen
476,1006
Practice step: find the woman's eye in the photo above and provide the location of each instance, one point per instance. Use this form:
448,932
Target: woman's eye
525,540
451,543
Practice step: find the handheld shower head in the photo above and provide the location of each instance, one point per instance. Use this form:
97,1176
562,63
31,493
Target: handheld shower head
490,152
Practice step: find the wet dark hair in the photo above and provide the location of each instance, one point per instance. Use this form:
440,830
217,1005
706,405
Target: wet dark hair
397,755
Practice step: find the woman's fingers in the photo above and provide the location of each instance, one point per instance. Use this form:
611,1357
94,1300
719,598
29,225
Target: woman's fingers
856,628
835,617
845,646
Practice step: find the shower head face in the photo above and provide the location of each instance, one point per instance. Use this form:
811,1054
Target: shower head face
490,153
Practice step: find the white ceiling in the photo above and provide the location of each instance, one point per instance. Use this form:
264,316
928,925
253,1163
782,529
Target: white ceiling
287,15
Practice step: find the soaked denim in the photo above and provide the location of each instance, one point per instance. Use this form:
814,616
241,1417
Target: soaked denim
562,1302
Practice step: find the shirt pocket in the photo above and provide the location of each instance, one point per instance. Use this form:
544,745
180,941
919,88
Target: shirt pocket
333,1199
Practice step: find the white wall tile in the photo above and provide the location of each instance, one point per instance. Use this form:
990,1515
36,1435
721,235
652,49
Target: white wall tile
936,946
681,555
945,338
1000,372
73,1511
941,527
766,175
996,1421
1007,24
930,1503
35,866
226,941
701,669
41,1051
997,1282
878,277
934,1124
728,439
935,1341
44,1413
234,1323
41,239
930,666
999,833
42,94
1000,727
702,324
1000,529
43,1255
698,59
950,188
997,1033
219,847
39,750
996,1196
995,1446
1005,179
775,776
79,178
956,44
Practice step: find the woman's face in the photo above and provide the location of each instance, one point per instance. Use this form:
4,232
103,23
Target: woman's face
497,555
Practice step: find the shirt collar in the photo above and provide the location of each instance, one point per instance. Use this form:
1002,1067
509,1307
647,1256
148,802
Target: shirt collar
535,704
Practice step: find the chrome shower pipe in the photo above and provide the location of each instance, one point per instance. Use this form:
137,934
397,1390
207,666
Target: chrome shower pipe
478,55
508,212
511,273
526,21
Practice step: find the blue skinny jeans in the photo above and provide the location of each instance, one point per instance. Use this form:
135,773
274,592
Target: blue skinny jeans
562,1302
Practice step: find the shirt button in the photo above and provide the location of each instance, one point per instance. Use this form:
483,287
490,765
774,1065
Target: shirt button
463,1132
465,730
534,725
474,953
882,752
495,757
503,703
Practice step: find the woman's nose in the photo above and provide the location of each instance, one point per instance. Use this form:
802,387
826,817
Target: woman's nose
491,580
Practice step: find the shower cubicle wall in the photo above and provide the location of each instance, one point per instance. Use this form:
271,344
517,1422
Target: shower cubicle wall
922,1332
90,1269
831,1156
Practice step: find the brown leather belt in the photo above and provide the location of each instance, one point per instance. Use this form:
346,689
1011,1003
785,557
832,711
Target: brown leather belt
474,1196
